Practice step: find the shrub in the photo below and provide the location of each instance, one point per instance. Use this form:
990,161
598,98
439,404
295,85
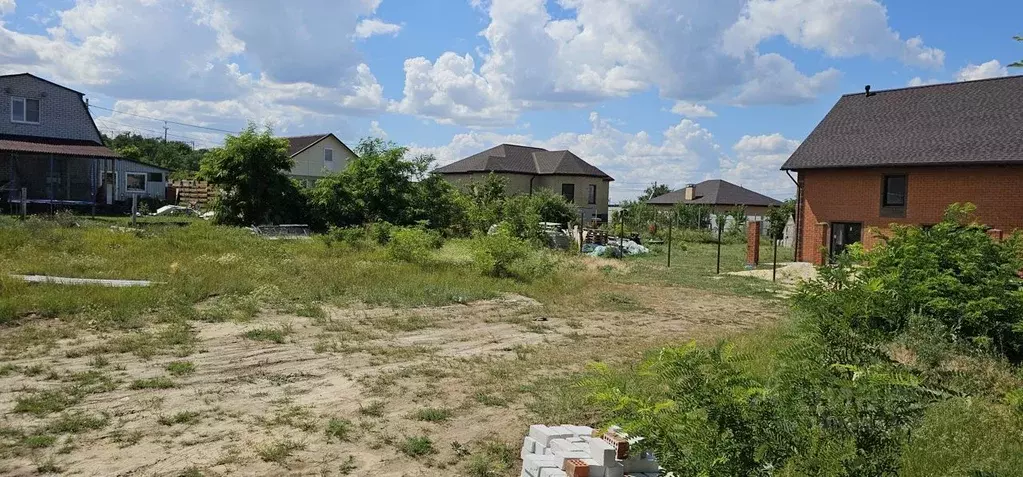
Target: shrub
500,253
353,236
411,245
953,272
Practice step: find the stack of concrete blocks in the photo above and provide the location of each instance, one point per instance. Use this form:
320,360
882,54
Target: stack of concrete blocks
574,451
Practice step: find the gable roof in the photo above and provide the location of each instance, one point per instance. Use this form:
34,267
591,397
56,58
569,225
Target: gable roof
44,80
972,122
297,144
716,192
524,160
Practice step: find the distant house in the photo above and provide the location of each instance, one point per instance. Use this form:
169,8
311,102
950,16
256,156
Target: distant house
316,156
527,169
721,196
50,146
903,155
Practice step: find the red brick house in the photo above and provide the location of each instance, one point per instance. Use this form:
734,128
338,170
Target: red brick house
902,156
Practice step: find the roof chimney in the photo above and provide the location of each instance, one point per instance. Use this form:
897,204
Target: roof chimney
867,89
690,192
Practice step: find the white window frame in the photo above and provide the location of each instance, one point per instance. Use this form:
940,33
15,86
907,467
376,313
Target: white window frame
24,109
145,182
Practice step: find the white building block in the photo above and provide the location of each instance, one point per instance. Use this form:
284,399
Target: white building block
553,473
529,445
600,451
534,463
543,434
596,470
566,445
580,430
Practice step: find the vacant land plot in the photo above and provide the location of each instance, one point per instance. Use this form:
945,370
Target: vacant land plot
267,357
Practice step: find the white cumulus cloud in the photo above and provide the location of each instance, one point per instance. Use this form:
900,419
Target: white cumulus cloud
6,7
692,110
839,28
990,69
374,26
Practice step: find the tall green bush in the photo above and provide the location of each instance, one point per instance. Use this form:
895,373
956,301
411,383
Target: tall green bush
953,272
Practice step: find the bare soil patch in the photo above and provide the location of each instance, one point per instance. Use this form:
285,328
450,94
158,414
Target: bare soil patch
347,392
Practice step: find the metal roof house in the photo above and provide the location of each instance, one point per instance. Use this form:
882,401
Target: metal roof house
526,169
51,148
903,155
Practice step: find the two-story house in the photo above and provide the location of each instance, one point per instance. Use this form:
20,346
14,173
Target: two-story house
316,156
50,148
526,169
901,156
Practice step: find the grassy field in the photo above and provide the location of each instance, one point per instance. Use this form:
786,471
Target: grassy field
256,356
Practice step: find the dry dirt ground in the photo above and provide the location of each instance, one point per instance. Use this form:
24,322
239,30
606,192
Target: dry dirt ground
346,392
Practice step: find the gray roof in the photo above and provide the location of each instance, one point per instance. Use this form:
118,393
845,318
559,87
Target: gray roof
716,192
297,144
972,122
524,160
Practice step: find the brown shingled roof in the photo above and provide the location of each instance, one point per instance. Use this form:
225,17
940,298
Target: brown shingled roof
60,147
973,122
716,192
524,160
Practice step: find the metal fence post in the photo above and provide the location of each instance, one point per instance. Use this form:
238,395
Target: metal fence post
671,220
24,202
719,248
134,208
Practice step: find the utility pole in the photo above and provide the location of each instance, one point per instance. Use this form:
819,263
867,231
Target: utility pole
165,131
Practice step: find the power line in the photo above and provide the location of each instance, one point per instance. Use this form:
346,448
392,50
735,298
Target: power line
179,136
165,120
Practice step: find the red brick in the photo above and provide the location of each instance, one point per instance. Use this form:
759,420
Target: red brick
577,468
753,243
619,443
854,195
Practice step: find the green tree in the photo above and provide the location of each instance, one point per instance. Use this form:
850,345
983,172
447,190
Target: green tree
251,173
383,185
174,155
654,190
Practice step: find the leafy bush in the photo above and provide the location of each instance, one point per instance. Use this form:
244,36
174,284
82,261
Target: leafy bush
953,272
411,245
501,254
353,236
706,412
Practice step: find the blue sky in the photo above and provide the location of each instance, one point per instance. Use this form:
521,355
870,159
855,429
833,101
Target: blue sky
672,91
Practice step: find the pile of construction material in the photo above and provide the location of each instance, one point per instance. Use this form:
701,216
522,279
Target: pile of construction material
575,451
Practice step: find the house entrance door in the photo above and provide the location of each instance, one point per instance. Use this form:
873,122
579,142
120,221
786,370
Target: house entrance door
843,234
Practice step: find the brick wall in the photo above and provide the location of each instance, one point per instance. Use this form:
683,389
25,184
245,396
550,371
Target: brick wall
854,195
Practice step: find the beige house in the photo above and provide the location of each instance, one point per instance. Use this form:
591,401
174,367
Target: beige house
527,169
721,196
316,156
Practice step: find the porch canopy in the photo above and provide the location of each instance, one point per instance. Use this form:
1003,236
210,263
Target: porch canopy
53,170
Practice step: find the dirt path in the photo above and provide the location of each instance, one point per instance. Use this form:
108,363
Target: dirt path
258,398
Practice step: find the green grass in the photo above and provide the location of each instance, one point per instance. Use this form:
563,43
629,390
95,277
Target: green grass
491,459
201,261
417,446
339,429
41,403
180,368
279,451
183,417
77,422
275,335
694,265
432,414
373,409
161,382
